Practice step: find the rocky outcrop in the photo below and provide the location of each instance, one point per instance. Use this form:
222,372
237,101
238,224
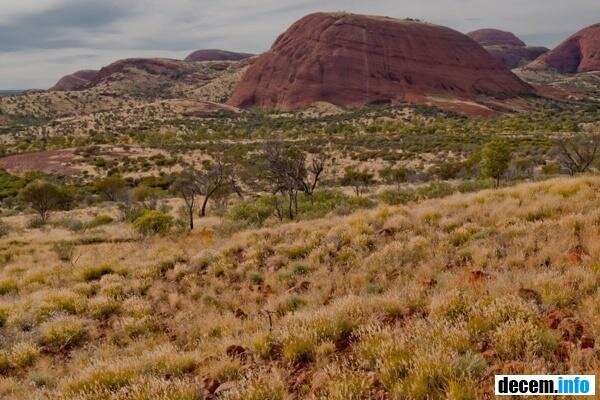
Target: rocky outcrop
579,53
152,66
217,55
352,60
506,47
495,37
77,81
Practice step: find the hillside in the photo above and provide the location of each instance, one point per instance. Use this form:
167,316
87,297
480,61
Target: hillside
337,308
506,47
579,53
217,55
354,60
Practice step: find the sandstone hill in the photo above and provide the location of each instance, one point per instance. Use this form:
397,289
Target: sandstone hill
217,55
579,53
76,81
353,60
506,47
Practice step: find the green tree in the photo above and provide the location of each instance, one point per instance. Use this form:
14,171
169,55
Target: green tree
359,180
495,159
44,197
394,176
111,187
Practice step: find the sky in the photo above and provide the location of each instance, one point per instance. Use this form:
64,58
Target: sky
42,40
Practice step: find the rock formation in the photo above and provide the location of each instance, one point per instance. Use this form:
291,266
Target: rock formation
353,60
579,53
506,47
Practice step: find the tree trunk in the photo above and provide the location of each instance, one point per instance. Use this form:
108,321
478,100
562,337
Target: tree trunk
204,203
191,212
291,205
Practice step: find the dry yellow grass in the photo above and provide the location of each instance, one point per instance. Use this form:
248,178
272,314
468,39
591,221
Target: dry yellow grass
424,301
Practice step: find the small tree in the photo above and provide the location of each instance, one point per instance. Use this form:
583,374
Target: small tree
44,197
315,171
495,159
210,180
185,186
577,153
394,176
111,187
359,180
287,173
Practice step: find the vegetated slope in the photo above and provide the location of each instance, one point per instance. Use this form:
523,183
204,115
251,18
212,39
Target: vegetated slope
217,55
154,77
129,84
579,53
506,47
76,81
428,300
353,60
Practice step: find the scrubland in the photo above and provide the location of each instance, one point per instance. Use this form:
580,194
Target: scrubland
423,301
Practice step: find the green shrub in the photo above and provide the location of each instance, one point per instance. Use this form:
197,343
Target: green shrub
65,250
253,212
99,221
395,196
323,202
299,350
153,222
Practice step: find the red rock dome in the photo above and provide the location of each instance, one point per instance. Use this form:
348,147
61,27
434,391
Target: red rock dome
495,37
506,47
217,55
579,53
354,60
77,81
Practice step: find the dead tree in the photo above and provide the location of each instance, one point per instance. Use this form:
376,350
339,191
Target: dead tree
577,153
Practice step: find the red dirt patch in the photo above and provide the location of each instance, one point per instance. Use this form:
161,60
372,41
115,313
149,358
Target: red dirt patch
50,161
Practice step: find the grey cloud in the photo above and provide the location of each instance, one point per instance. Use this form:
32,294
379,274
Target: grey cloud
59,27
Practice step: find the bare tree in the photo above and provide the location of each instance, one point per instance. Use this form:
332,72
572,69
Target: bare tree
287,173
578,152
315,170
185,186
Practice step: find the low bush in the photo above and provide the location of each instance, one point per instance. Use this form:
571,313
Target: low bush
99,220
152,222
65,250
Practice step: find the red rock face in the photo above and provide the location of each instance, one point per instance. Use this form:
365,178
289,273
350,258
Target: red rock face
217,55
579,53
513,57
353,60
495,37
154,66
77,81
506,47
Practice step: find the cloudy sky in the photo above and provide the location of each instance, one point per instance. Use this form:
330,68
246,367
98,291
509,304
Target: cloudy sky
41,40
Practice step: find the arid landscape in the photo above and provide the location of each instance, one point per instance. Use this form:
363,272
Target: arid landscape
373,208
